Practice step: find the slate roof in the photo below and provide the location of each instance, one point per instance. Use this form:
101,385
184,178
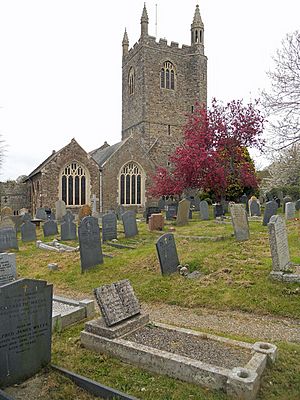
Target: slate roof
102,155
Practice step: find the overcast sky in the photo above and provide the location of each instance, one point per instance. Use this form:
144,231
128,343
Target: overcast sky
60,64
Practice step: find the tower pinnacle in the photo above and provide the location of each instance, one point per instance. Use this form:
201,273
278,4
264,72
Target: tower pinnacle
144,22
197,29
125,43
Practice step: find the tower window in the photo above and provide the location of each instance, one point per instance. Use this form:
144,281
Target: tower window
167,76
131,81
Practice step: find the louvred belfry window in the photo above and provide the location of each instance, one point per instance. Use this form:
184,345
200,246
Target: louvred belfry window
167,76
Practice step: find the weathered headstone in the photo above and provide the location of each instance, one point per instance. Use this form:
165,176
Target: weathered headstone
286,199
151,210
270,209
254,207
7,222
60,209
156,222
167,254
6,212
8,269
120,212
244,200
225,205
204,210
183,212
50,228
117,302
171,211
161,204
8,238
239,221
41,214
129,224
290,210
68,227
109,227
25,329
28,232
279,244
89,242
218,210
297,205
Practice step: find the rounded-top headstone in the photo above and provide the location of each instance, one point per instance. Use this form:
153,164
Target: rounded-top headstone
6,212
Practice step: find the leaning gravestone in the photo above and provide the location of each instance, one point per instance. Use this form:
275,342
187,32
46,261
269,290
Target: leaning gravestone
290,210
60,209
171,211
89,242
129,224
41,214
279,244
117,302
297,205
50,228
239,221
68,227
25,329
28,232
183,212
8,238
204,210
286,199
8,269
109,227
270,209
254,207
167,254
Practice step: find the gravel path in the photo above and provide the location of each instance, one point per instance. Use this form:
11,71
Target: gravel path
258,327
191,346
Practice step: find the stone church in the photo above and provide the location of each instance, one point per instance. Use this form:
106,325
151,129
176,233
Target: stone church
160,84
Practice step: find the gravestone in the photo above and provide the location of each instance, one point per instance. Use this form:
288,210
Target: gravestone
60,209
239,221
156,222
129,224
41,214
89,242
120,212
151,210
270,209
279,244
225,205
290,210
117,302
171,211
26,217
254,207
6,212
183,212
50,228
286,199
68,227
7,222
8,239
244,200
25,329
109,227
297,205
167,254
28,232
8,269
218,210
204,210
161,204
195,202
190,213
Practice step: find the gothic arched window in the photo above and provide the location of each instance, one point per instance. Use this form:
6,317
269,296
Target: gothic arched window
74,184
131,184
167,76
131,80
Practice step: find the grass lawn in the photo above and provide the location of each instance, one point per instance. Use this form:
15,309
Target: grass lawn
236,278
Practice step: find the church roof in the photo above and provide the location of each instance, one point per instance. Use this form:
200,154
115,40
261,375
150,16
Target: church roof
101,155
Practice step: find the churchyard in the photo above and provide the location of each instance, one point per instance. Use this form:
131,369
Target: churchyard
233,276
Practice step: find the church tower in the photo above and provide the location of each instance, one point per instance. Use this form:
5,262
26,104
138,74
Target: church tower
160,84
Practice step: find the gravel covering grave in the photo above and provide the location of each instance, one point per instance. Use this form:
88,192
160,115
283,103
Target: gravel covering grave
199,348
59,307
